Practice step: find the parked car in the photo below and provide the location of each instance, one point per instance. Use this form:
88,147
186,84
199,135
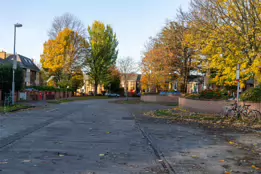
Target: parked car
163,93
113,95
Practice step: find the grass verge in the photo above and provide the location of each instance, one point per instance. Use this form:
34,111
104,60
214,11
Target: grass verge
211,120
138,101
76,99
13,108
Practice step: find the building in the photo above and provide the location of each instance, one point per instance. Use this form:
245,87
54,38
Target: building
88,87
30,70
133,82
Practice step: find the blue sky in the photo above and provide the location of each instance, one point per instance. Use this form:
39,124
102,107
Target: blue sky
134,21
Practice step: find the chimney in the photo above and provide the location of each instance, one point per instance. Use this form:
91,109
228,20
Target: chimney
3,55
32,60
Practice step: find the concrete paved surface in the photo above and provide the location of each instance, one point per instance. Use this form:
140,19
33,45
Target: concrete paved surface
101,137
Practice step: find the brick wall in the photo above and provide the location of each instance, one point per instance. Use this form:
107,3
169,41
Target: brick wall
210,106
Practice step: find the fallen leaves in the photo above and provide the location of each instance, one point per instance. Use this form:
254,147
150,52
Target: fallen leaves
194,156
231,142
211,120
256,168
222,161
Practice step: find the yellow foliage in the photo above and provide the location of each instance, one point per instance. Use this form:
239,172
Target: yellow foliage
59,54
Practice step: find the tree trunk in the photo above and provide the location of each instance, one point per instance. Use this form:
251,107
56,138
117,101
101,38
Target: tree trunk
126,89
95,88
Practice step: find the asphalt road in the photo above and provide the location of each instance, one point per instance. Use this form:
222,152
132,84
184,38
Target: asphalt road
99,137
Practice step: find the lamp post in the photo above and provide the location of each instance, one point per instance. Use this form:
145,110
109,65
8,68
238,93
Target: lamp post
14,63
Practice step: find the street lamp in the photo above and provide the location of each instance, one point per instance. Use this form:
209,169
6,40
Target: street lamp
14,63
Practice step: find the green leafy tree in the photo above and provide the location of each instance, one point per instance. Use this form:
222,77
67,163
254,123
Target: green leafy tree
113,82
102,54
6,77
77,80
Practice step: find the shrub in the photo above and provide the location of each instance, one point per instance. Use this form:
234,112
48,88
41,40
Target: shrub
192,96
210,94
150,93
50,89
252,94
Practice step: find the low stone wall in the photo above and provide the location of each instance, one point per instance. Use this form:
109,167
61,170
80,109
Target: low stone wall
254,106
158,98
211,106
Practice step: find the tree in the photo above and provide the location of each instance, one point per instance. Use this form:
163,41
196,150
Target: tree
61,56
69,21
6,71
175,37
113,82
229,33
169,52
155,69
212,38
77,80
102,54
126,67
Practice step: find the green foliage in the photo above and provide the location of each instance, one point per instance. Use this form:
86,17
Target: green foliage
77,81
102,54
210,94
112,84
150,93
6,77
50,89
192,96
252,94
13,108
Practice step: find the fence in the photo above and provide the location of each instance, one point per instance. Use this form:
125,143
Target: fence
38,96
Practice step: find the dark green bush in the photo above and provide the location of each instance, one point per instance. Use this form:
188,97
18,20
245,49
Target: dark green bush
50,89
210,94
252,94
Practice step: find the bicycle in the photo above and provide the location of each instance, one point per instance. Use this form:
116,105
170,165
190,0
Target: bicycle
243,112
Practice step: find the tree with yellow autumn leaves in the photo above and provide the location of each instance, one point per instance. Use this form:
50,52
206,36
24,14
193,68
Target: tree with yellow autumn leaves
213,37
60,57
69,53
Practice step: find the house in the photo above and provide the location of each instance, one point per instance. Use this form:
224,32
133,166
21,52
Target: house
30,70
133,82
88,87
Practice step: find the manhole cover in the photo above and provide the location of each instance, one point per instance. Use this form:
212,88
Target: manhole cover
127,118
